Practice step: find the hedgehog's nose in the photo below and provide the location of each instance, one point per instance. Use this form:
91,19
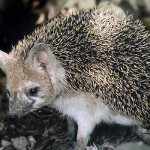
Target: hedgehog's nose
12,114
13,117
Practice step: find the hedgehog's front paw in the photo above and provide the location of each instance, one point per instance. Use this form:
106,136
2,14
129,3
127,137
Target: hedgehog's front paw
80,145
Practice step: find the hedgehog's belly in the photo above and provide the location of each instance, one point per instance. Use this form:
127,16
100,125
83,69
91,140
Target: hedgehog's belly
86,110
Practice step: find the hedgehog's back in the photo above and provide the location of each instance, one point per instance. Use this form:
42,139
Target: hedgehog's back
106,54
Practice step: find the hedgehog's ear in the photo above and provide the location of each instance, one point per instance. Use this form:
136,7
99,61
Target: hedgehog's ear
3,60
40,57
41,60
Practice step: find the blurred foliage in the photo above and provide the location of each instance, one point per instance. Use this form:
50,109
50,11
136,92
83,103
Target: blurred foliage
20,17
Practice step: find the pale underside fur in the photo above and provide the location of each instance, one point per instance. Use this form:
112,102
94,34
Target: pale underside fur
88,112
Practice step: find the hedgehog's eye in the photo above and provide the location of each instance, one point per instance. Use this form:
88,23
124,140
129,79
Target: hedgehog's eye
33,91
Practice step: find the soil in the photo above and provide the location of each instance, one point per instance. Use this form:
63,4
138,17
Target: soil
46,129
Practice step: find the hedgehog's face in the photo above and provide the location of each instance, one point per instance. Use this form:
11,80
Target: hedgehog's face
27,89
31,85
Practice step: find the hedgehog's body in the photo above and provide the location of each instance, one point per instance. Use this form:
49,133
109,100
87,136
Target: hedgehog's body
95,68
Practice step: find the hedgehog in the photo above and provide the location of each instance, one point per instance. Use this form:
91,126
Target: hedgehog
92,66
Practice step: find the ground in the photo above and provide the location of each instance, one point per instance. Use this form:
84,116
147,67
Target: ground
47,130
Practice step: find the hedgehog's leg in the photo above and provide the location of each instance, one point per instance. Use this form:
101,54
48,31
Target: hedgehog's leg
71,128
83,134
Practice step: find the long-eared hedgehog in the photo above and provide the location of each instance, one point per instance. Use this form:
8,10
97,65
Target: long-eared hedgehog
92,66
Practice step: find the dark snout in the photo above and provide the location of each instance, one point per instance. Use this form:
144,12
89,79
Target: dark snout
18,108
13,117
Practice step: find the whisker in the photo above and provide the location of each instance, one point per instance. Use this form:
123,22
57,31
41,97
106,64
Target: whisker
46,116
30,115
36,114
27,113
46,109
51,111
22,115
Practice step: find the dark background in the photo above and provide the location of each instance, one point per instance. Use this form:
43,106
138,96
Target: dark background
20,17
